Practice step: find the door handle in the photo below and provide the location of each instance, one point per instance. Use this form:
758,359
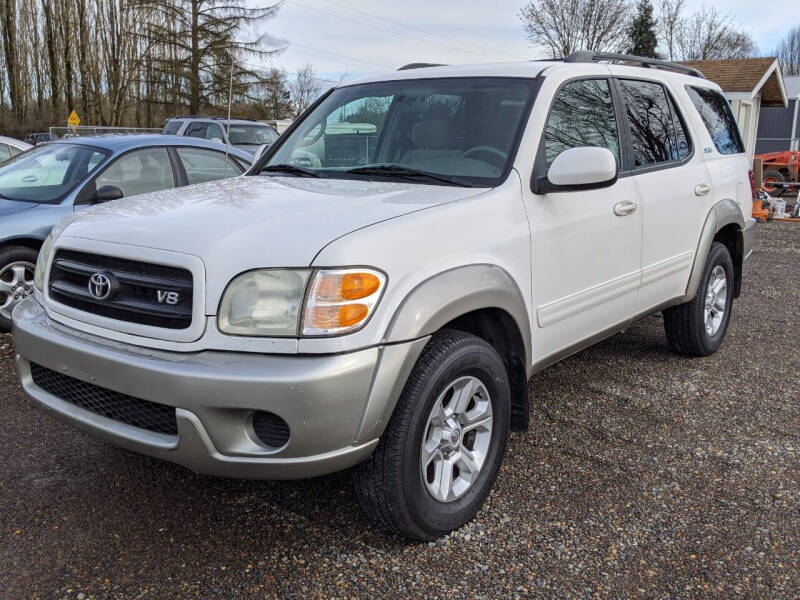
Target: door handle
624,208
701,189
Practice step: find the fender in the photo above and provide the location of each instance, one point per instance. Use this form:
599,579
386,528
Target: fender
724,212
450,294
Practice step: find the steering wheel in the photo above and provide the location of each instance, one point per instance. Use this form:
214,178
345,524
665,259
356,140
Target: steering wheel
496,157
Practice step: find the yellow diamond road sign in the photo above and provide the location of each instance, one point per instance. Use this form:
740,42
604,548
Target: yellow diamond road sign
73,120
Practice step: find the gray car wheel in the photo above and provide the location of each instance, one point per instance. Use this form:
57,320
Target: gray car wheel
17,265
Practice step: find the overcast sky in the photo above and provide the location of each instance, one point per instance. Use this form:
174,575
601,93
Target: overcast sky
356,37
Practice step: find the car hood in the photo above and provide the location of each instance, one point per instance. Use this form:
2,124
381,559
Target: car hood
253,221
8,207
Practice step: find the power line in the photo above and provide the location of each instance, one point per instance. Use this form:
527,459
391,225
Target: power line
380,18
398,33
342,56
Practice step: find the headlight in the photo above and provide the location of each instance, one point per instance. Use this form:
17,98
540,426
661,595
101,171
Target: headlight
269,302
341,300
264,303
41,263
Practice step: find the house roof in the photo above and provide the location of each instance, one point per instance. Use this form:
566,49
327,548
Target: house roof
753,76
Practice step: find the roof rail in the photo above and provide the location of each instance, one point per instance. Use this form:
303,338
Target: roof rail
212,118
586,56
419,66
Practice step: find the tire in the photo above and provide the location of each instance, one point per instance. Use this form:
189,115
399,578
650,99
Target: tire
685,324
10,257
393,486
775,177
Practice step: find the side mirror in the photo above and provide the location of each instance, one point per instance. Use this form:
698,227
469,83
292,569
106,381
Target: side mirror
217,140
583,168
108,193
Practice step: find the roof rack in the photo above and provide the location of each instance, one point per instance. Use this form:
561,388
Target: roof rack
212,118
419,66
587,56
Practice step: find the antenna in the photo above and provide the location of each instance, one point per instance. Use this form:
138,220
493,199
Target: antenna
228,124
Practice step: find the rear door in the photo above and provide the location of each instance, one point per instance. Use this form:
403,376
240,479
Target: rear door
585,258
674,188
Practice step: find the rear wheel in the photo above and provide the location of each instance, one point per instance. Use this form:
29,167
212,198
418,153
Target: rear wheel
439,456
17,264
698,327
770,178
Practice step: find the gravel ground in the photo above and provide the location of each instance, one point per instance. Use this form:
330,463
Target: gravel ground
644,475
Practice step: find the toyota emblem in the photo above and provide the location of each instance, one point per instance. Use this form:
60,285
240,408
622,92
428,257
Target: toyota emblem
99,286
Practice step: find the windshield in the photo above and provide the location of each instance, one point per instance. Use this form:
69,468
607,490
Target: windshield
47,173
457,128
252,135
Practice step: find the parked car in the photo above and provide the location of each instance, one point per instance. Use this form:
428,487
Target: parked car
50,181
381,298
10,147
38,138
245,134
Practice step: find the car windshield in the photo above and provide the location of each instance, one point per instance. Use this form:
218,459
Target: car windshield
462,131
47,173
252,135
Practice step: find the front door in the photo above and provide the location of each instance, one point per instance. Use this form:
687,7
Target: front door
586,251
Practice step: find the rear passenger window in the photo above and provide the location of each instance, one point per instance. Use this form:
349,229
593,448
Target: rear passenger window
657,134
582,115
718,119
207,165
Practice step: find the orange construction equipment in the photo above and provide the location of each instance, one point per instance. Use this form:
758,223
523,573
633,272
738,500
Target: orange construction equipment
779,167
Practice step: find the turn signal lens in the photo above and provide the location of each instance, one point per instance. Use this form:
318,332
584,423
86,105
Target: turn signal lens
331,307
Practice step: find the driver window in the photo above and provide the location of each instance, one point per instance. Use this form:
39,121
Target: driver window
582,115
139,172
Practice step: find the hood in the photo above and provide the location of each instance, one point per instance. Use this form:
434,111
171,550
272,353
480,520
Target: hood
8,207
253,221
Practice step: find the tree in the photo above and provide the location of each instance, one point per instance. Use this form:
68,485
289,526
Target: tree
204,35
642,31
709,35
304,90
562,27
276,98
788,52
668,23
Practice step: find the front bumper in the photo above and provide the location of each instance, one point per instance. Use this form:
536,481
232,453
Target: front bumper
335,405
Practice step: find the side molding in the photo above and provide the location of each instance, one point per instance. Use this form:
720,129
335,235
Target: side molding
724,212
448,295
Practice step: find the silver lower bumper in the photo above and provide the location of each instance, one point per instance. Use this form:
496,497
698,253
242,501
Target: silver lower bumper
324,399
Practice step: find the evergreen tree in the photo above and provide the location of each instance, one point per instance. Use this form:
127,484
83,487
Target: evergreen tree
642,40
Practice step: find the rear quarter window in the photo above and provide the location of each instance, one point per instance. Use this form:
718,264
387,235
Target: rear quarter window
171,127
718,118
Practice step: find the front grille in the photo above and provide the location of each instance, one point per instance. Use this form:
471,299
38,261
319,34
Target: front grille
114,405
142,293
270,429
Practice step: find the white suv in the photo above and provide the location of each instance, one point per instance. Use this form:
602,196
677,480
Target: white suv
378,295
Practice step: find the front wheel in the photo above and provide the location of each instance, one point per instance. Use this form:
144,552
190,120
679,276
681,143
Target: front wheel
438,458
17,265
698,327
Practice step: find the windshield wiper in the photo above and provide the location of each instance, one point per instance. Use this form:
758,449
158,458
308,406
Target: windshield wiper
407,173
290,170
